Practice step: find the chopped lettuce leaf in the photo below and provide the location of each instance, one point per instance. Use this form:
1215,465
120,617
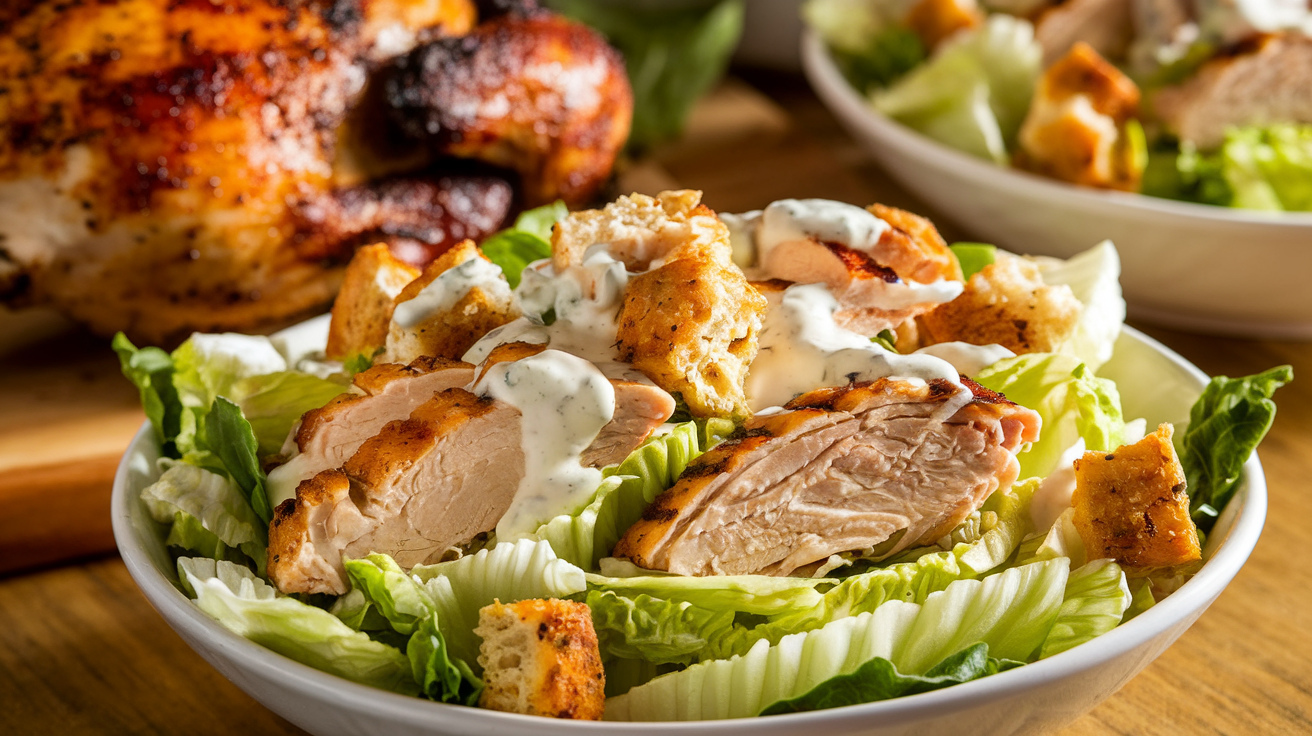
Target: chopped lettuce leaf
355,610
655,630
151,370
878,679
539,221
250,607
509,572
232,441
585,537
886,58
1141,598
274,402
853,26
973,257
440,676
975,90
1072,401
1225,426
1011,612
1097,597
1095,278
1062,539
393,593
513,250
1258,168
209,514
208,365
762,595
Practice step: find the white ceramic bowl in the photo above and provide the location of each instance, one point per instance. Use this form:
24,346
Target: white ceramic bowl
1186,265
1154,383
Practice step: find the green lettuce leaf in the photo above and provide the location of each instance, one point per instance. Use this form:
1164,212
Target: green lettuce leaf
1072,401
208,365
879,679
273,403
852,26
1011,612
626,490
1269,168
232,441
151,371
974,257
539,221
1097,597
1094,276
761,595
654,630
886,58
528,240
509,572
250,607
394,594
356,611
440,676
1225,426
975,90
210,516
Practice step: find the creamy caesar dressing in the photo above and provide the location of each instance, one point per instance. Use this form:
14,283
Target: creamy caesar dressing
565,401
893,295
450,287
802,349
583,304
816,219
967,359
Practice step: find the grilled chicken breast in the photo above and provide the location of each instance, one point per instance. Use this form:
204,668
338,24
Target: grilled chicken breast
842,469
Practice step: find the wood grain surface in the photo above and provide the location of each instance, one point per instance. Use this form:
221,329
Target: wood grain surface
82,652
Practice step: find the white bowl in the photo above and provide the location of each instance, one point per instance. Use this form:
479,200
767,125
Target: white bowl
1192,266
1154,383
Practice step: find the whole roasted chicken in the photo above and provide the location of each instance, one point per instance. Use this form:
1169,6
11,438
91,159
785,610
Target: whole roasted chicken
170,165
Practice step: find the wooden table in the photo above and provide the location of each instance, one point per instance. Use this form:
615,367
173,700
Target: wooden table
82,652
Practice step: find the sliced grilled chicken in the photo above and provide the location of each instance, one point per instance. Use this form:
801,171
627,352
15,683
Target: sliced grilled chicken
430,482
842,469
1267,80
329,436
1106,25
418,488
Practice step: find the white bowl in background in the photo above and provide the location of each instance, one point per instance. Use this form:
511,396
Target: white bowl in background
1154,383
1192,266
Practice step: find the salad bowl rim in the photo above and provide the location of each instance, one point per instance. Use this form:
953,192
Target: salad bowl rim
183,615
832,87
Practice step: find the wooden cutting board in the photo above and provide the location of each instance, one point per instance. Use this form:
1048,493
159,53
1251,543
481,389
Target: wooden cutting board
67,414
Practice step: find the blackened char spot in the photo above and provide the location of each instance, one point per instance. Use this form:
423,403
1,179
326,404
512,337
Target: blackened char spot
860,264
985,395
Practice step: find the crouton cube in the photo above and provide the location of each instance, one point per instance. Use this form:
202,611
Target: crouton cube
1075,128
541,658
934,20
1006,303
363,308
638,230
691,327
459,298
1131,505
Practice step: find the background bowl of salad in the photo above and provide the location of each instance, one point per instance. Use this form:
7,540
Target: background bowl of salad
1154,383
947,125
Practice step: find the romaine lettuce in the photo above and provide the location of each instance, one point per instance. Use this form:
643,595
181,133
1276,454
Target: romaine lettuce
1225,426
151,371
1095,278
1071,400
273,403
231,440
879,679
1011,612
394,594
654,630
250,607
208,513
1096,599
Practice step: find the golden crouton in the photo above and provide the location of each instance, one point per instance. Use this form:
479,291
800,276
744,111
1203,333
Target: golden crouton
640,229
450,331
691,327
364,305
913,248
1075,129
935,20
1131,505
540,658
1006,303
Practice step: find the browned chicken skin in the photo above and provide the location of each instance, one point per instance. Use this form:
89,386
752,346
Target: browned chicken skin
170,165
528,90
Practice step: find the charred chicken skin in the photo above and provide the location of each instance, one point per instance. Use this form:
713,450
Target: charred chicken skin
178,165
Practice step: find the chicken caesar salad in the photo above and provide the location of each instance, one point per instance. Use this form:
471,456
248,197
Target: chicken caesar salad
1206,101
651,462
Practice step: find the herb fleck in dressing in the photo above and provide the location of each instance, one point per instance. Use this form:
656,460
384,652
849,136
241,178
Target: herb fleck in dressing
565,401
